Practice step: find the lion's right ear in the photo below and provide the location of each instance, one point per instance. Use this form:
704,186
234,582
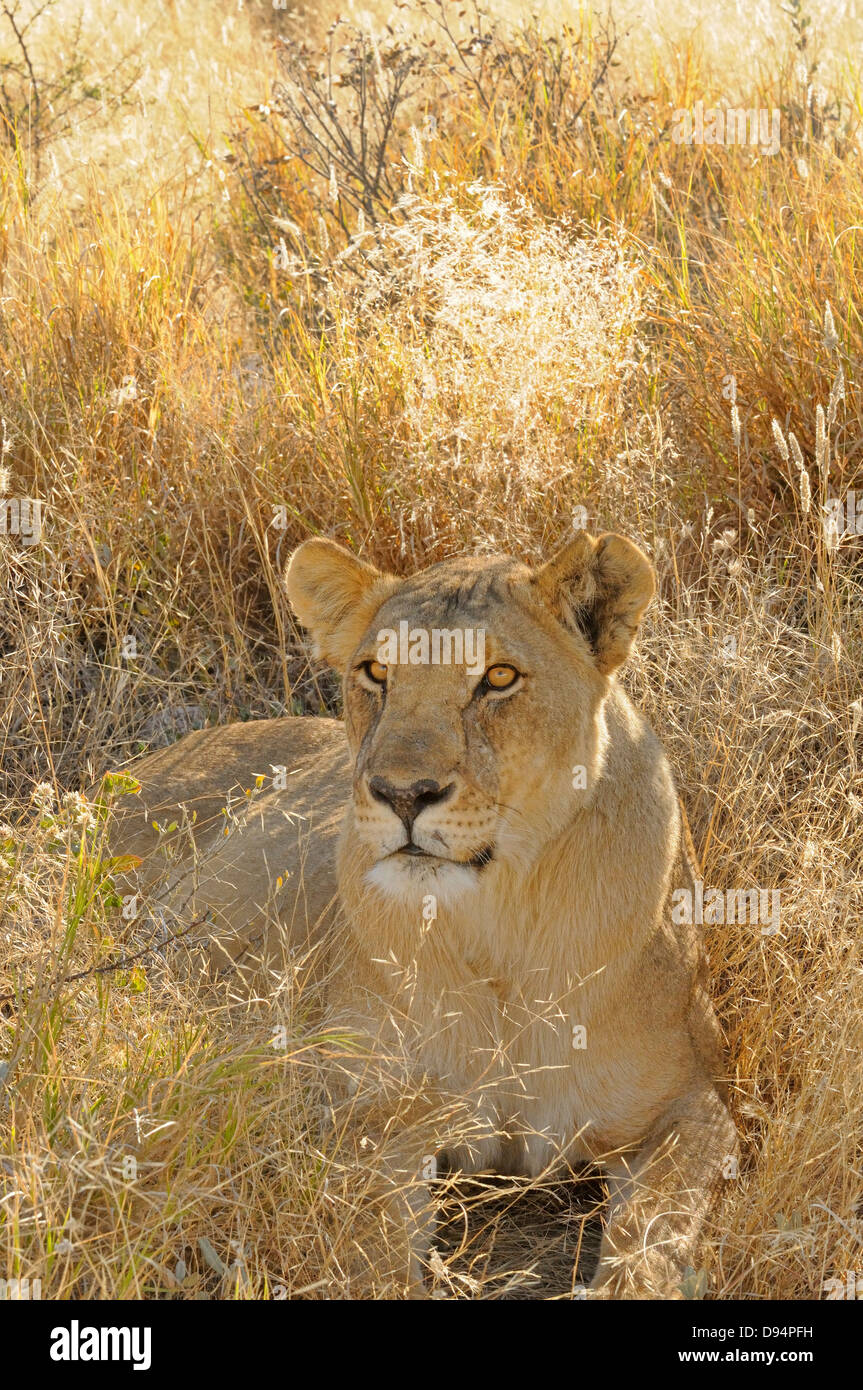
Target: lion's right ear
335,596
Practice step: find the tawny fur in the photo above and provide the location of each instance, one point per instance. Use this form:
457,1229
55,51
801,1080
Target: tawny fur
483,974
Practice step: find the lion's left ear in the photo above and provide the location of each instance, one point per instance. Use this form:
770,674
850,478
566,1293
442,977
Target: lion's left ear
600,589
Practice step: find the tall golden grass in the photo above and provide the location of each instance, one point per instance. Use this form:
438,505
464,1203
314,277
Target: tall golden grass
208,352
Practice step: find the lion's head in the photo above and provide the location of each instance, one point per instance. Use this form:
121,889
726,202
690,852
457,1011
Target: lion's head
473,697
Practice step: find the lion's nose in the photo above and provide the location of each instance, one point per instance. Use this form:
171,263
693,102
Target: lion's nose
407,802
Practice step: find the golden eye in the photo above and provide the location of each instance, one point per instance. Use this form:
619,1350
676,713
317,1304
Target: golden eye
499,677
377,672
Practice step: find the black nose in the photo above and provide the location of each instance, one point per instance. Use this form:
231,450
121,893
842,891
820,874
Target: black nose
407,802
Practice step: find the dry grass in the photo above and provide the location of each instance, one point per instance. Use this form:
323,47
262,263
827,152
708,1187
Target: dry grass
205,355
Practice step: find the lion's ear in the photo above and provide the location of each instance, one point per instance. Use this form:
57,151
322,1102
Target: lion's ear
599,588
335,596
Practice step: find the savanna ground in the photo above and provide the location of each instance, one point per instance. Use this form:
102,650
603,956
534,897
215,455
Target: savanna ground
468,296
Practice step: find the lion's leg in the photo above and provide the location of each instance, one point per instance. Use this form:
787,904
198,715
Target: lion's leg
397,1138
413,1220
660,1197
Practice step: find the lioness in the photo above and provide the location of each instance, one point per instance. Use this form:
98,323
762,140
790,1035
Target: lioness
503,836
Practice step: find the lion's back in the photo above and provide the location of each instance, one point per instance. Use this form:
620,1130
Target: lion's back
257,808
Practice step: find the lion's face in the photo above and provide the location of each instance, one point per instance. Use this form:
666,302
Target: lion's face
473,699
462,763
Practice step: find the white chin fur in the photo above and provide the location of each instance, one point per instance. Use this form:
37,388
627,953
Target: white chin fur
410,880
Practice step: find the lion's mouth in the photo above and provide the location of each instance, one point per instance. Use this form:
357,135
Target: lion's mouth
479,860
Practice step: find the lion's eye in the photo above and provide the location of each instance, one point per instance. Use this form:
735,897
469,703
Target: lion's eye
501,677
376,671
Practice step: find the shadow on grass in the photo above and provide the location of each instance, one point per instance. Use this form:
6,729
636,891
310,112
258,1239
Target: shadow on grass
519,1239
